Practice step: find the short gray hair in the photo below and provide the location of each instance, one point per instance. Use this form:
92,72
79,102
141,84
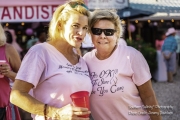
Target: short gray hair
110,15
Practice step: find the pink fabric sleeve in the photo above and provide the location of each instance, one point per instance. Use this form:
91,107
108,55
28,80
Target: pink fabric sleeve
32,67
141,72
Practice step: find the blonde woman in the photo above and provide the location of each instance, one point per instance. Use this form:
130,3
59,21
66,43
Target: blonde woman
8,70
53,71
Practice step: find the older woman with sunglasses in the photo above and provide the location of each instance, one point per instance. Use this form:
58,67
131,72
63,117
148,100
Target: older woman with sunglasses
52,71
120,75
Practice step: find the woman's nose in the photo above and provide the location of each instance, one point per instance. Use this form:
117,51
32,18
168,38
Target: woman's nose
81,31
102,35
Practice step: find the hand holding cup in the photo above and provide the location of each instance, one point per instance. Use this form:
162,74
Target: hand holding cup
4,68
81,99
70,112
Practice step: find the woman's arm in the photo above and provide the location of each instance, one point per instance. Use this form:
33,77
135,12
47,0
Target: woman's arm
149,99
14,61
20,97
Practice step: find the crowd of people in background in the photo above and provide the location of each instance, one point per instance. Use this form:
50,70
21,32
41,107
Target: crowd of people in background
168,49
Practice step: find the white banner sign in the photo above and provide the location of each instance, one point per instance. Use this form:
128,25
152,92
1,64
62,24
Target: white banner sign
27,13
107,4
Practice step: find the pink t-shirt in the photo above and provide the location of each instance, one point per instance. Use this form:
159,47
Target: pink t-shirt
114,82
53,76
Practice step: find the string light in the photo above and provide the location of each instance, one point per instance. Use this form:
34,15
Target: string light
7,24
19,32
123,22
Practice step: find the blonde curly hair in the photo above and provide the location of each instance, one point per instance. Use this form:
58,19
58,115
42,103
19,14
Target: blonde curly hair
62,14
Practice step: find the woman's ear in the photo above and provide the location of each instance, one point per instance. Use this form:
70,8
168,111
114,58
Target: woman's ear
59,26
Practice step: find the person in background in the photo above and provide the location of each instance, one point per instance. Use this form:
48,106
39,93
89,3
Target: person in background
31,42
169,52
9,70
177,37
41,37
14,42
41,34
53,70
160,74
120,74
23,114
159,42
9,38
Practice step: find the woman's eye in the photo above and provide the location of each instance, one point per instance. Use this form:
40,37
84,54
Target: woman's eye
75,26
85,28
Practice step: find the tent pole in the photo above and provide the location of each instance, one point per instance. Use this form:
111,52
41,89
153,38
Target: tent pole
129,32
128,25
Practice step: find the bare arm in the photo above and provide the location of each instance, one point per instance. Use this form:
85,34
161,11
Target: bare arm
14,60
148,97
19,95
21,98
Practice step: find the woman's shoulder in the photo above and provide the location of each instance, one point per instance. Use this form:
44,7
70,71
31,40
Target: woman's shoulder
9,48
89,55
130,51
38,47
11,52
126,48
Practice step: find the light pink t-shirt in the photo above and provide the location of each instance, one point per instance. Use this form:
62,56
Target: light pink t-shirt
53,76
114,84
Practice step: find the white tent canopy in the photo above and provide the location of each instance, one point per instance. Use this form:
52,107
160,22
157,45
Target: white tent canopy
164,9
167,6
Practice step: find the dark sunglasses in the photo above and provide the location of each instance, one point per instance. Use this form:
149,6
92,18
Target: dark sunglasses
75,4
107,32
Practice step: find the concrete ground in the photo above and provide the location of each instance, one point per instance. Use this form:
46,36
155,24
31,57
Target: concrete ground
168,94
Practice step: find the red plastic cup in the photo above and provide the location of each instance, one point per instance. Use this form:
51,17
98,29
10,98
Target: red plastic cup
2,62
81,99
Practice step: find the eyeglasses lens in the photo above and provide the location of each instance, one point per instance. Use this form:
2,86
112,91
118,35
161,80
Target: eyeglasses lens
107,32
